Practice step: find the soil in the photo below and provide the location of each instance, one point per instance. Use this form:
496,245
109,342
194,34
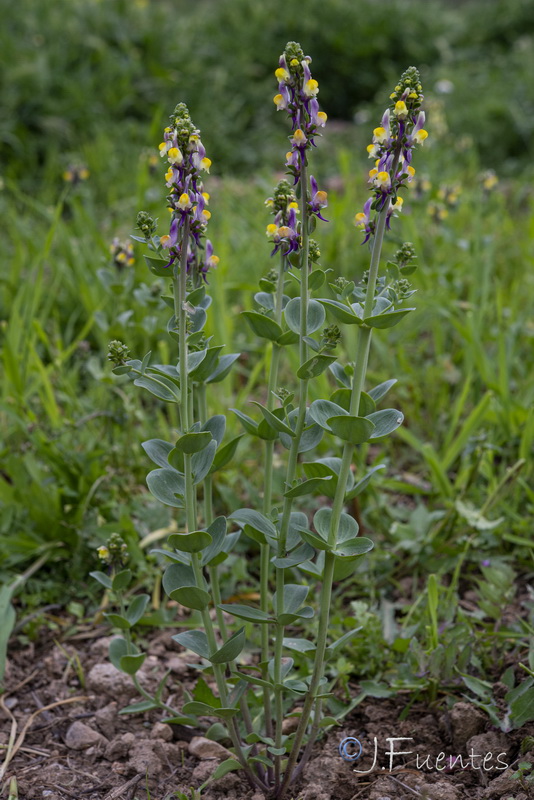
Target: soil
82,748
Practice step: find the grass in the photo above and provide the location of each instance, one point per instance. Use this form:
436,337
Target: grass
455,499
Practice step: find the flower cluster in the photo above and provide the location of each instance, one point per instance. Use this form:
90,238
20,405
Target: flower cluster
187,200
283,231
400,130
115,553
122,254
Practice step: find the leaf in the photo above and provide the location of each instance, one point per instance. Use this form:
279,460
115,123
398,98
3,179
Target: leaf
340,375
225,454
118,647
139,708
347,527
311,435
300,645
180,584
257,521
387,320
121,580
379,391
249,425
201,462
307,487
248,613
339,643
230,649
288,337
101,577
230,765
132,663
521,701
158,450
223,367
203,694
361,485
208,364
216,426
136,609
118,621
315,366
273,421
217,531
265,299
341,312
298,556
294,596
197,641
385,422
167,486
160,387
316,279
191,443
190,542
353,547
343,396
263,326
158,266
315,316
322,410
355,430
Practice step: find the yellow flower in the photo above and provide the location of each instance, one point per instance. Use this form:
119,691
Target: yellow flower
162,149
397,205
282,74
401,109
411,171
280,102
103,552
284,231
293,205
311,88
299,137
373,150
360,220
175,155
383,180
205,164
165,240
373,172
169,175
420,136
379,135
184,202
206,197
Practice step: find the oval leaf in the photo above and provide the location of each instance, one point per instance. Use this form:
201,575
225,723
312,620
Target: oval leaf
315,317
355,430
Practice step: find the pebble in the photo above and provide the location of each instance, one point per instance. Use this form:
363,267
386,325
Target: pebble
161,731
80,736
204,748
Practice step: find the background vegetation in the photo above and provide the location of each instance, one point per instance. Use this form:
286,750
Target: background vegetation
88,85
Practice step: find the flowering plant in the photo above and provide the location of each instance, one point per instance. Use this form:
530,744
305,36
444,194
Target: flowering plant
253,699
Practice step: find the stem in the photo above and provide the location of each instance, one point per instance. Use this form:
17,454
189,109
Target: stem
180,294
364,342
292,462
265,550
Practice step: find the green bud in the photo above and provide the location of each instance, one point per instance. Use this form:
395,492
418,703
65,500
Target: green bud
118,353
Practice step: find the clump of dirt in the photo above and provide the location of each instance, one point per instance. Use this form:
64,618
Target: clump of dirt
63,702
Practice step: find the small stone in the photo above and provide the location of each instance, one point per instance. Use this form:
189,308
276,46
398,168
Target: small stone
80,736
466,721
442,791
178,665
119,747
290,724
107,679
106,719
204,749
502,786
161,731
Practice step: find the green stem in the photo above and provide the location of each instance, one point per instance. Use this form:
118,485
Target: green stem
292,463
180,295
364,342
265,550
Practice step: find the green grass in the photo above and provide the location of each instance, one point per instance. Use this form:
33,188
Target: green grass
72,469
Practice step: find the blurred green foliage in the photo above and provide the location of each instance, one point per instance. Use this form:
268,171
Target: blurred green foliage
72,70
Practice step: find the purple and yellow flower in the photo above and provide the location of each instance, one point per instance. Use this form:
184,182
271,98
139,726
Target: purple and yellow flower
401,129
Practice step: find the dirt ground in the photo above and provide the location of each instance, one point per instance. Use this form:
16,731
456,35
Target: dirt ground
81,748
